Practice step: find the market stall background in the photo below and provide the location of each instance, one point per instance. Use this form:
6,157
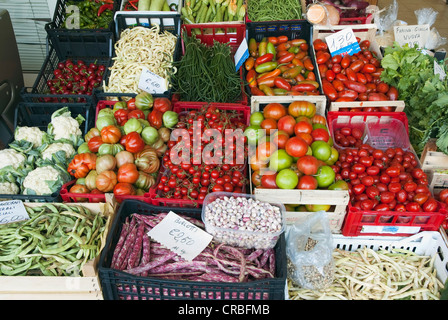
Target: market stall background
270,271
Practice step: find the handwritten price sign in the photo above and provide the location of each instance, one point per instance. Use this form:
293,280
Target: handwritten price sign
342,42
151,82
12,211
180,236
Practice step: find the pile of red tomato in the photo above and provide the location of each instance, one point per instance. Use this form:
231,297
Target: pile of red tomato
353,78
293,147
385,180
279,66
204,172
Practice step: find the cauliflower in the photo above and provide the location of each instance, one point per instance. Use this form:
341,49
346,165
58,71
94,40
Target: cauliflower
55,147
11,157
42,181
31,134
65,128
9,188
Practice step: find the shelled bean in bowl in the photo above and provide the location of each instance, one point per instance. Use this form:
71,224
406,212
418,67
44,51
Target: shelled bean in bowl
241,220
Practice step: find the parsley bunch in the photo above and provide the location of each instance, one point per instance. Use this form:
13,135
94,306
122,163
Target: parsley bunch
424,93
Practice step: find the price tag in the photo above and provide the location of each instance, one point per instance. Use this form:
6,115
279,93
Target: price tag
12,211
241,54
412,35
439,70
180,236
151,82
342,42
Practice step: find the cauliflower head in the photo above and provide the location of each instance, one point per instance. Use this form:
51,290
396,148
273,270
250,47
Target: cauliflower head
11,157
65,128
9,188
57,146
30,134
42,181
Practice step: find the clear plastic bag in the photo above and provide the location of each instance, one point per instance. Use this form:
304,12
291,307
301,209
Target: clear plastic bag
385,19
429,16
310,252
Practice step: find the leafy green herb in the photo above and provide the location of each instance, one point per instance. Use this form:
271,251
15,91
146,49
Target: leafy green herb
425,95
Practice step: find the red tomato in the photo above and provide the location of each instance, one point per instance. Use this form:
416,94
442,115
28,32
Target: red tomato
296,147
308,165
320,134
268,180
387,196
421,198
303,127
430,205
443,195
307,183
413,207
287,123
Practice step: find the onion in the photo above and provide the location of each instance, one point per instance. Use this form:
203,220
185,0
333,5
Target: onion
124,157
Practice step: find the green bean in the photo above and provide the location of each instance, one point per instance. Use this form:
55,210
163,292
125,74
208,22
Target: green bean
11,271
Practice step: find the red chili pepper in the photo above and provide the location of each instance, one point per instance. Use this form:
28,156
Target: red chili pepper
105,7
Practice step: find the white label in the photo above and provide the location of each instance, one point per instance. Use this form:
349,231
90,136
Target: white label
439,70
151,82
389,229
342,42
180,236
414,34
12,211
241,54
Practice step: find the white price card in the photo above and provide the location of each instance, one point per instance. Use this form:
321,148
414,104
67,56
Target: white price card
439,70
343,42
12,211
180,236
412,35
151,82
241,54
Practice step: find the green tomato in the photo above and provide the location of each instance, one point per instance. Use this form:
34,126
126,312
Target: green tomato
325,176
132,125
105,120
317,207
334,156
339,185
105,111
280,160
119,105
144,101
319,125
144,123
170,119
253,134
256,118
287,179
84,148
108,148
150,135
321,150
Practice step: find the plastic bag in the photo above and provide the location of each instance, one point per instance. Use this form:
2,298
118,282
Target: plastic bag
385,19
310,252
434,40
426,16
324,20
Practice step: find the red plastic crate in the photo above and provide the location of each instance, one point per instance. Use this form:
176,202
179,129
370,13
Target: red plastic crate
391,223
232,33
361,118
241,109
103,104
159,200
68,196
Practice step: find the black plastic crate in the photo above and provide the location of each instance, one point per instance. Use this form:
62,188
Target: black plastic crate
76,40
100,95
293,29
167,21
147,288
39,114
40,92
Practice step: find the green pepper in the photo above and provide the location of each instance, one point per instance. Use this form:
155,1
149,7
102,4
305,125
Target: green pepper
292,72
280,92
267,66
270,48
253,47
294,50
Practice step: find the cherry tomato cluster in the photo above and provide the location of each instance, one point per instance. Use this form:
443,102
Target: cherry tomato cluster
70,78
279,66
353,78
385,180
205,171
348,137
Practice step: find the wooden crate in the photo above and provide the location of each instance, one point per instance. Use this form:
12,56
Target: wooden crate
398,106
363,31
338,199
86,287
257,103
432,161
